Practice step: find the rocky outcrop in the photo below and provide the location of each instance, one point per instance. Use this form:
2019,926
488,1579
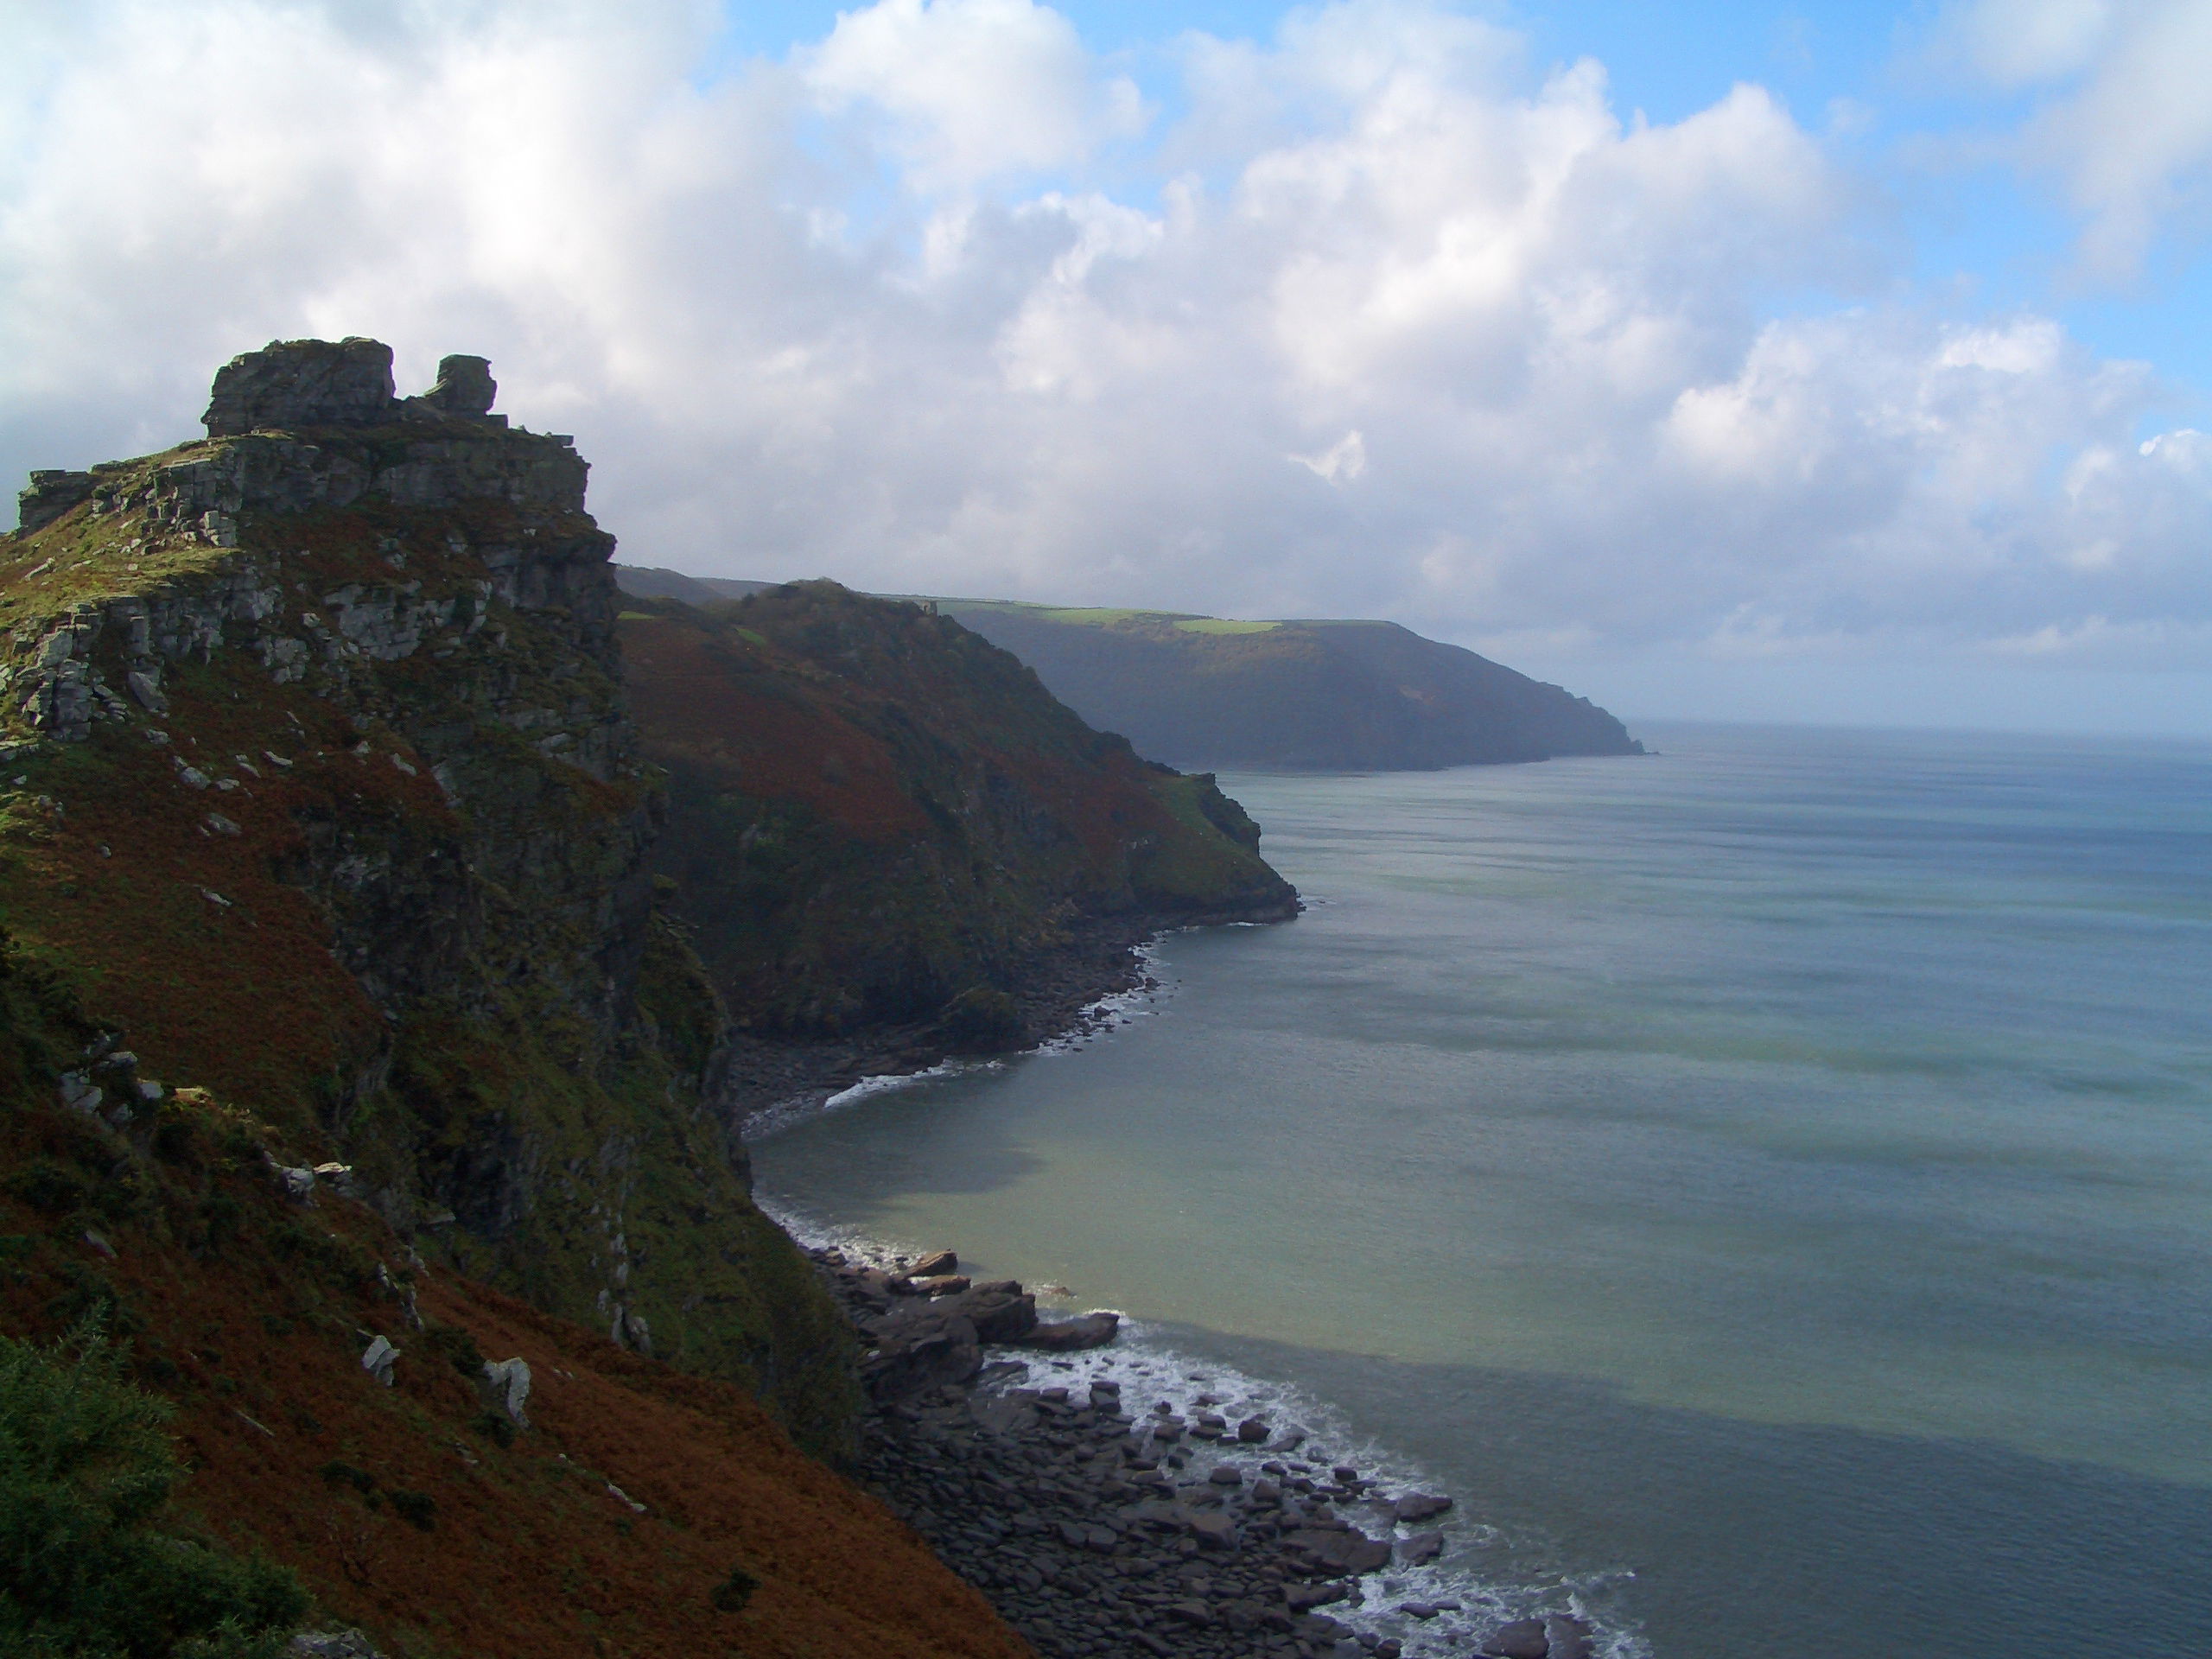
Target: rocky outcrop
348,819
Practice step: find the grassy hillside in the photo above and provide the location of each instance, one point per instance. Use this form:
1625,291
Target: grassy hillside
1218,692
1331,696
875,817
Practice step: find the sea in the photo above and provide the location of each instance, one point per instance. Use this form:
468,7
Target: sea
1767,1184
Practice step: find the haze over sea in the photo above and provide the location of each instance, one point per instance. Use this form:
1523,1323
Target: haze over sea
1769,1184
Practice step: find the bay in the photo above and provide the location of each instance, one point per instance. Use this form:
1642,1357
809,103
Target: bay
1771,1181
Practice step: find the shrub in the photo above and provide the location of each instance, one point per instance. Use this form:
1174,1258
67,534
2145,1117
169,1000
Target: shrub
85,1571
457,1348
734,1591
981,1020
418,1510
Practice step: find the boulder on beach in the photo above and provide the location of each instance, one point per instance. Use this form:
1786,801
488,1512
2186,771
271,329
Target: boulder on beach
1419,1506
1334,1550
1524,1638
1064,1336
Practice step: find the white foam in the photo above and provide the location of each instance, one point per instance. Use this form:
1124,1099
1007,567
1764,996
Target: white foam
1146,1361
1117,1009
1094,1019
799,1108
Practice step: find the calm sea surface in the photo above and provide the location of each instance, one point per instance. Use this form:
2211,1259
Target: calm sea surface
1769,1183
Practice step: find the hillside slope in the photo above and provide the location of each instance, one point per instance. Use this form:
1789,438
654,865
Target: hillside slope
1318,695
618,1513
322,789
878,819
1328,696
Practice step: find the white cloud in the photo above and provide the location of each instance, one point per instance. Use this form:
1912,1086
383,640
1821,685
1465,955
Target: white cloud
1562,339
974,87
2126,126
1342,461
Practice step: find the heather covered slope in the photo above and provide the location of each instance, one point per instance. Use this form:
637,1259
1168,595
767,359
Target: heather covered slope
320,787
1328,696
612,1525
877,818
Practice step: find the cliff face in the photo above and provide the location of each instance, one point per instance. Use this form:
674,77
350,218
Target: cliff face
324,793
878,818
1329,696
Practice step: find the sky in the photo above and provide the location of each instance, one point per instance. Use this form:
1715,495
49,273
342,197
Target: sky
1838,363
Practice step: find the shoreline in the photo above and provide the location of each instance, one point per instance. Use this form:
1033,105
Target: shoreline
1064,998
1103,1524
1101,1531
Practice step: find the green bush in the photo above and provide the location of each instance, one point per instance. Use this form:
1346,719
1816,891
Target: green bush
85,1572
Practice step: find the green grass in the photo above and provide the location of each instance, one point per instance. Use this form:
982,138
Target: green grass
1223,624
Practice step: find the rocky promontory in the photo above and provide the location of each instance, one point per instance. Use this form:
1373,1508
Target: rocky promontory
891,843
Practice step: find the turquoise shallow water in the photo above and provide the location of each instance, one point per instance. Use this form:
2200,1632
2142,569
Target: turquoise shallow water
1772,1182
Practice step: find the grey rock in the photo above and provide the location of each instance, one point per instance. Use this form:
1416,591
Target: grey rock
1252,1431
1065,1336
464,386
51,494
1571,1638
509,1380
935,1262
297,383
1422,1547
377,1361
1226,1474
1216,1530
1524,1638
333,1644
1419,1507
1338,1550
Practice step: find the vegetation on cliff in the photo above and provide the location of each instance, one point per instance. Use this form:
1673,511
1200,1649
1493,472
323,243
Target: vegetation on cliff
1212,691
876,817
608,1514
86,1473
1329,696
322,838
321,787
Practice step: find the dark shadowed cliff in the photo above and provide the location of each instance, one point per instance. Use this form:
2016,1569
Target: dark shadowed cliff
878,820
1322,696
1329,696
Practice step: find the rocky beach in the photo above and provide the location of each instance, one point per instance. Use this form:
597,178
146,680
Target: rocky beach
1102,1521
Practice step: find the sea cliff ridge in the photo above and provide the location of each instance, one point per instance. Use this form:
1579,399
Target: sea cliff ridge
399,924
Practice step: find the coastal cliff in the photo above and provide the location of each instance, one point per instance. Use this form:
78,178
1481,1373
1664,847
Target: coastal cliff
380,999
891,843
1316,694
1327,695
329,799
